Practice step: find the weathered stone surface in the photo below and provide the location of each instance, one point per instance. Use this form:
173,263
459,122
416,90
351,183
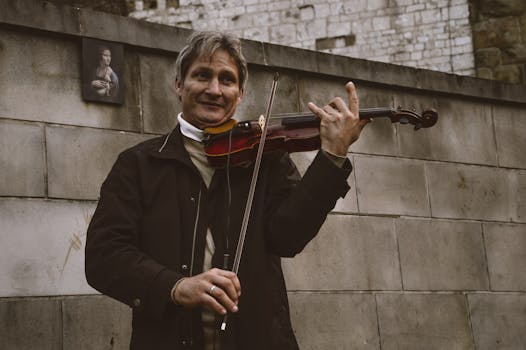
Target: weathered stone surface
21,159
349,203
96,322
496,32
30,324
502,7
423,321
127,30
349,253
471,192
509,130
159,99
255,99
441,255
484,73
334,321
515,54
391,186
72,153
41,15
489,57
498,320
46,71
43,247
510,73
505,248
455,137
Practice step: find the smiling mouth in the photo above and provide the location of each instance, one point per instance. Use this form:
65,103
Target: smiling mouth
212,104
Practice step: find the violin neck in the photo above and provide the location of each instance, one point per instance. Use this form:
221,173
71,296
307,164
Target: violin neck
309,119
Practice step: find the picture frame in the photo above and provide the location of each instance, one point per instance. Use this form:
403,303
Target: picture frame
102,71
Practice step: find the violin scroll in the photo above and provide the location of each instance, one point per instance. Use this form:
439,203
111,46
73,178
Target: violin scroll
427,119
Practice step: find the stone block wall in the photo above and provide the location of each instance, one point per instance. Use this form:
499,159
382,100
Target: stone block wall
426,251
499,39
418,33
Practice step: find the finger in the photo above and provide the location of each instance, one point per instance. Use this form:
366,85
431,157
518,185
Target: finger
315,109
222,298
211,303
227,286
353,98
232,280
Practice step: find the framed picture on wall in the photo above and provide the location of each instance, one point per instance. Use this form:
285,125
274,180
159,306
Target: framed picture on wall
102,71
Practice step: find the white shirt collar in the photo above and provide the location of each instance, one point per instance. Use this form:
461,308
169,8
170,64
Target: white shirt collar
189,130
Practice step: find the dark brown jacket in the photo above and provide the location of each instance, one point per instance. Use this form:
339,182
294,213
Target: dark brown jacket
141,238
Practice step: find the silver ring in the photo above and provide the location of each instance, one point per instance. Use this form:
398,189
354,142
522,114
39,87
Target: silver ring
212,289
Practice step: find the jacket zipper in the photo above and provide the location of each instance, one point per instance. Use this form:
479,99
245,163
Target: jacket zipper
195,233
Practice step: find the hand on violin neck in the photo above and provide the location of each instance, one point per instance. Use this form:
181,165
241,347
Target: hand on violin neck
340,124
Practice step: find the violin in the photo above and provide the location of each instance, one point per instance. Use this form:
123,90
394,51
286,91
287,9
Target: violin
236,142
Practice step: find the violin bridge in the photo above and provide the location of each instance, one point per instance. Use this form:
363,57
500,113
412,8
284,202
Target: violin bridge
261,122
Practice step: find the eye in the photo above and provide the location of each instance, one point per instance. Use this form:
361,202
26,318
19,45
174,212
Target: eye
201,75
228,79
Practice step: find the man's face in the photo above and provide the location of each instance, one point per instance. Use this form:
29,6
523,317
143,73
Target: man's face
210,92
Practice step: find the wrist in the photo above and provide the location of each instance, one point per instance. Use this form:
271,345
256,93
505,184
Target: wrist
335,158
174,291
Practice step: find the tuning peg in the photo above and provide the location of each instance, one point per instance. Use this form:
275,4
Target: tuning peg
403,120
418,126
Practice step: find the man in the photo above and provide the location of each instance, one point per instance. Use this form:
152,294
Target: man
166,221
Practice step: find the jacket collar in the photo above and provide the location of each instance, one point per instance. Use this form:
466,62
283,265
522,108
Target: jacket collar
171,147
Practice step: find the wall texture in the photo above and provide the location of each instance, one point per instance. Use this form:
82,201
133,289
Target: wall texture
499,39
418,33
425,252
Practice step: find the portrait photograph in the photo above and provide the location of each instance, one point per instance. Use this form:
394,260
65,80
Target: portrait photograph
102,67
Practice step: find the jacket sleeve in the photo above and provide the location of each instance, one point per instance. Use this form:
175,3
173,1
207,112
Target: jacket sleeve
298,208
115,265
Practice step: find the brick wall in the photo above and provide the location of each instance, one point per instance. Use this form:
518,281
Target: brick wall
418,33
425,252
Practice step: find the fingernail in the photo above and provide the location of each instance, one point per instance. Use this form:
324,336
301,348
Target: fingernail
235,309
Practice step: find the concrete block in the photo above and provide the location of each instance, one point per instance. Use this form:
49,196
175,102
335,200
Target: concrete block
471,192
46,71
498,320
505,248
41,15
79,159
159,99
349,203
96,322
30,324
423,321
334,321
391,186
349,253
289,57
509,129
22,159
42,247
463,133
441,255
116,28
257,94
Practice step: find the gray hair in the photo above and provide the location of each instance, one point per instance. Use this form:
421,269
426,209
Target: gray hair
207,43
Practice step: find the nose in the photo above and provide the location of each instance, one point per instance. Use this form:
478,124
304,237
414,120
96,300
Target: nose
213,87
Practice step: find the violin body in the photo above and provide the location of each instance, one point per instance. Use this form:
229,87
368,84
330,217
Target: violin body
239,145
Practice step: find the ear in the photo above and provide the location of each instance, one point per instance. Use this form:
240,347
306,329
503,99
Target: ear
178,89
240,97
